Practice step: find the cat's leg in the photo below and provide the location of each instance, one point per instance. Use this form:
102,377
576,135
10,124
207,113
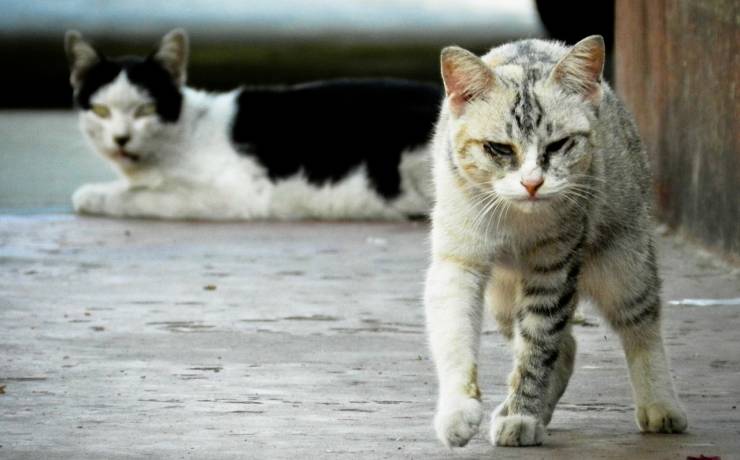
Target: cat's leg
630,301
501,298
97,198
559,378
543,345
502,295
165,201
120,199
561,372
453,301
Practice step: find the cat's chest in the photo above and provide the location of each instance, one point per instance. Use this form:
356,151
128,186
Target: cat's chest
516,254
504,256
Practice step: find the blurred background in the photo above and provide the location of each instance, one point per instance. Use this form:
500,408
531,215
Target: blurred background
674,62
254,42
43,157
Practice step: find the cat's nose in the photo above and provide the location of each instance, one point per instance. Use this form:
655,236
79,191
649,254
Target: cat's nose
122,140
532,185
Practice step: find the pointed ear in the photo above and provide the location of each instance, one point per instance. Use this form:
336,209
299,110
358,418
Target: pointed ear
172,54
465,76
580,70
81,57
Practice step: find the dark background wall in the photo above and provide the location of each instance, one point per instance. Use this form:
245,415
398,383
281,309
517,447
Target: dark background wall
255,42
677,68
39,76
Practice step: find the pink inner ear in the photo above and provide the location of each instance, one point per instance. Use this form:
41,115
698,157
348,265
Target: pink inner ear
457,103
451,78
594,65
453,88
580,71
464,83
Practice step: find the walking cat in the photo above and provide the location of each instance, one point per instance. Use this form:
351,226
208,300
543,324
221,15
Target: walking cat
336,149
542,198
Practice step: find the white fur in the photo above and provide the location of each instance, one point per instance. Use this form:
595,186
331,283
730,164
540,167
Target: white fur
457,420
197,173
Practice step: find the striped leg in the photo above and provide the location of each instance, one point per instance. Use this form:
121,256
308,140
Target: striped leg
630,301
632,307
541,328
502,296
561,373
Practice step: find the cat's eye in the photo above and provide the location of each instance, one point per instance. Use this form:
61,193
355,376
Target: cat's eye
496,148
145,110
100,110
554,147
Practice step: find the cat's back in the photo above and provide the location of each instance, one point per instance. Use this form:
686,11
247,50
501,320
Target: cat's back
325,130
338,109
625,158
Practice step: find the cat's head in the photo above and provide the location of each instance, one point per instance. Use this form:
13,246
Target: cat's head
126,102
521,119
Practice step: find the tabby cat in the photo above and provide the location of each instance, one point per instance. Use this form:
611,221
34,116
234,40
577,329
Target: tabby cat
542,198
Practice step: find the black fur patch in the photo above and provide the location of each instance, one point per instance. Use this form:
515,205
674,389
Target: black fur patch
143,72
327,129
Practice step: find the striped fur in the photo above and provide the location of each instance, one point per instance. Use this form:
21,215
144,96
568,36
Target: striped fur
542,192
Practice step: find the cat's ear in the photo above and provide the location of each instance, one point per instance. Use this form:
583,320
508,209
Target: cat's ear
466,77
81,56
580,70
172,54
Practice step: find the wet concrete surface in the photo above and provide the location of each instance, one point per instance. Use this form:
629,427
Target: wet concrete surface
131,339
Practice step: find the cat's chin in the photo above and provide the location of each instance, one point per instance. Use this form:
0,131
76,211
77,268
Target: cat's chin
531,205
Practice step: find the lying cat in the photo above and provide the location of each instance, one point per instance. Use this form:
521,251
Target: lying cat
542,196
339,149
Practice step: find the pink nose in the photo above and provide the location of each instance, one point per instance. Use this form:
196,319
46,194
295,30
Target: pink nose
532,185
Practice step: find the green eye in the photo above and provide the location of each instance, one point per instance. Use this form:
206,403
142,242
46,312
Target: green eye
100,110
495,148
145,110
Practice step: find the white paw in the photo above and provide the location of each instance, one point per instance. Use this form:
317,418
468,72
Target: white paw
516,430
93,198
457,421
661,417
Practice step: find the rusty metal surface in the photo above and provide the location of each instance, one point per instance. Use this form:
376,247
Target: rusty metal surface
677,68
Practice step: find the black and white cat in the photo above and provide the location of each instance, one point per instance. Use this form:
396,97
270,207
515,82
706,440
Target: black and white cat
343,149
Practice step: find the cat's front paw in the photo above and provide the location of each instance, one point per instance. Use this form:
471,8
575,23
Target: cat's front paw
516,430
457,421
94,198
661,417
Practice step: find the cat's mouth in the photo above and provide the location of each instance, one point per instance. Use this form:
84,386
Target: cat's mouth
533,199
126,155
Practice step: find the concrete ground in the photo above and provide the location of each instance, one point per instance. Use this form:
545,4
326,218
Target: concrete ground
123,339
130,338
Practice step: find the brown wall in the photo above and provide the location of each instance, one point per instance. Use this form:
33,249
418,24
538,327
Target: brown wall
678,70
